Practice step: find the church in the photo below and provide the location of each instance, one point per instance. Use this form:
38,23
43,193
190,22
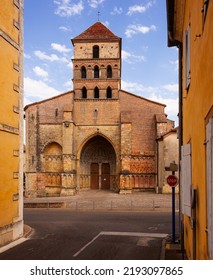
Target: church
96,136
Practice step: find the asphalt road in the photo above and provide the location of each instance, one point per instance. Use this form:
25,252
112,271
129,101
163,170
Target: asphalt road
60,234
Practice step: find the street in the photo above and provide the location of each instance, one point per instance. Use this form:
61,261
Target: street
63,234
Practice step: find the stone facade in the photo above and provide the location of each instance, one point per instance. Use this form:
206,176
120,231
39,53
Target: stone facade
96,136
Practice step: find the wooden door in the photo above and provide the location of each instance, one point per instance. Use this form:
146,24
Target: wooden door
94,173
105,176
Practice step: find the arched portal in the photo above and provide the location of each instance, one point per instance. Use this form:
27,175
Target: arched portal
98,165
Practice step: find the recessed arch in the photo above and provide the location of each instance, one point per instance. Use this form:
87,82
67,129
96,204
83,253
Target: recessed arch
83,72
96,72
109,92
98,164
109,71
84,92
52,157
96,92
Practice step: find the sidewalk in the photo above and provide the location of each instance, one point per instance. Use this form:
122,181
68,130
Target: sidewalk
105,200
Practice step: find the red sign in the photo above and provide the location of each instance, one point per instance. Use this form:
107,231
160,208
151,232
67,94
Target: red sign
172,180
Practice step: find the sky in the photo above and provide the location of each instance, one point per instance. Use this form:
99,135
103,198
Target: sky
149,67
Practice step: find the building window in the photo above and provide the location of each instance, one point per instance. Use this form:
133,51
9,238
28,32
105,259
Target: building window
96,72
109,92
96,92
83,72
109,71
84,92
187,58
95,51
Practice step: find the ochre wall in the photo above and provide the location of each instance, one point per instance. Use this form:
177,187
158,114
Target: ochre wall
197,102
11,129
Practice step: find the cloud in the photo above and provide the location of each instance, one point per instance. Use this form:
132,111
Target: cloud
131,58
175,63
37,90
53,57
67,9
65,29
94,3
171,87
27,56
139,8
43,56
134,29
117,11
60,48
40,72
68,85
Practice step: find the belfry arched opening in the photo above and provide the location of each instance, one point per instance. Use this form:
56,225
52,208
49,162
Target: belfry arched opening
98,165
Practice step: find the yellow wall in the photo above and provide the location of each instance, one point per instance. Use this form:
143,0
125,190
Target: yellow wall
197,102
11,223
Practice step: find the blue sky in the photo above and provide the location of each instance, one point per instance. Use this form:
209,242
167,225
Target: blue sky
149,67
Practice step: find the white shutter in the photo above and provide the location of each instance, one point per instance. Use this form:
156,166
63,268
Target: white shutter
186,179
209,181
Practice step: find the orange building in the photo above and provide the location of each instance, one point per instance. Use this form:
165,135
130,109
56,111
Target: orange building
11,120
190,29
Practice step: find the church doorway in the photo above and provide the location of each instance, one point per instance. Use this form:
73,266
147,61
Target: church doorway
100,176
98,165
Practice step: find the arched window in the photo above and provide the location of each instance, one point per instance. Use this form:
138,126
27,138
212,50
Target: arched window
109,71
109,92
84,92
95,51
96,72
96,92
83,72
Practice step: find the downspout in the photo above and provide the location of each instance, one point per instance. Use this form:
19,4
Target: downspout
180,53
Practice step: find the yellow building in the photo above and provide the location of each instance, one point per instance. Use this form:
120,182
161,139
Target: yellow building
11,120
190,25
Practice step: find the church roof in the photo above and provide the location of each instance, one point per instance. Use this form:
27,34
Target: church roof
98,31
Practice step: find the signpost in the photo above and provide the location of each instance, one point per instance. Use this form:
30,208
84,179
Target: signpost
172,181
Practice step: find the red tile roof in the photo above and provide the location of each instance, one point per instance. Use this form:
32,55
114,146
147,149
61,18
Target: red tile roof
97,31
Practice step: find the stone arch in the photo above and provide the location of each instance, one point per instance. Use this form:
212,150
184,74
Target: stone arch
97,168
52,158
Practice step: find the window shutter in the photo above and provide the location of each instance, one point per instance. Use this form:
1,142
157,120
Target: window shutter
209,181
186,179
187,58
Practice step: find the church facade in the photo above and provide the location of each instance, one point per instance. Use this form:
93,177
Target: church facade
96,136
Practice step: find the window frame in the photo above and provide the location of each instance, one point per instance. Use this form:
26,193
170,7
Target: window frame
95,51
96,72
96,93
109,93
84,93
109,71
187,51
83,72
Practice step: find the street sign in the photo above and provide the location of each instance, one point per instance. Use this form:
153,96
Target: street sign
172,180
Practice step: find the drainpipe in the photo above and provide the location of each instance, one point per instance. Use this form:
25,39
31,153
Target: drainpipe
180,47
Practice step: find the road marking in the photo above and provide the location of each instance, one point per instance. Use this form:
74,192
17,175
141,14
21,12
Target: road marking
118,233
83,248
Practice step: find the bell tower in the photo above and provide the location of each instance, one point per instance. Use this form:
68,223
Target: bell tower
97,64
